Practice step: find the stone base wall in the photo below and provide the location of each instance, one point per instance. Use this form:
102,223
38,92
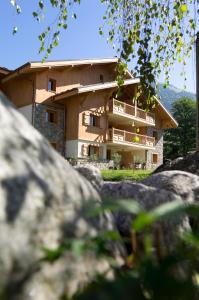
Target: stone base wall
101,165
54,132
158,149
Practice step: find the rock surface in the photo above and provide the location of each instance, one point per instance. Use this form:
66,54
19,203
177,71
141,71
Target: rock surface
42,202
92,174
184,184
190,163
148,198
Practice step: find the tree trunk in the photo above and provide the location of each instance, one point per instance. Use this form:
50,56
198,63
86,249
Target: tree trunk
197,92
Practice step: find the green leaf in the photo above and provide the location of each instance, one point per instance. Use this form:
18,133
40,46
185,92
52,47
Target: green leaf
41,4
14,31
163,211
183,8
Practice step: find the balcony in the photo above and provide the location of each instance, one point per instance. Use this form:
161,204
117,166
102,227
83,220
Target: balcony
120,111
133,140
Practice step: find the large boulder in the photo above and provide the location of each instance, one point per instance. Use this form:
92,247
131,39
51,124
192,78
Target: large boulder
190,163
148,198
42,203
92,174
184,184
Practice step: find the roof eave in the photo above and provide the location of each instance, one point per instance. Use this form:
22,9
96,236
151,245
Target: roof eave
173,121
57,64
93,88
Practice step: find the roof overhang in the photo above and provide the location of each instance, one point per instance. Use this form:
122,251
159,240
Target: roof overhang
4,71
170,122
37,66
93,88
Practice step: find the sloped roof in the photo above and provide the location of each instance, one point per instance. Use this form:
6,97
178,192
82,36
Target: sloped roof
165,113
4,70
37,65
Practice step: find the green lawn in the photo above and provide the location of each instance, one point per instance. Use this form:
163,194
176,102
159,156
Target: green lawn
117,175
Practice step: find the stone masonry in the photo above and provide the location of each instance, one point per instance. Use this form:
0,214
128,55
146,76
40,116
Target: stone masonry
158,148
54,132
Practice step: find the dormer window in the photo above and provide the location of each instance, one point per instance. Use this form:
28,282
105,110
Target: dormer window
52,85
101,78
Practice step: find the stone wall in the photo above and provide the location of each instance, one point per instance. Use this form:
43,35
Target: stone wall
54,132
158,148
101,165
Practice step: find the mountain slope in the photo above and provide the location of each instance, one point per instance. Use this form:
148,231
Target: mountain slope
171,94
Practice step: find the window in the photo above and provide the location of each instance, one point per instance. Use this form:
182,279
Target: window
94,120
154,158
52,85
54,145
155,135
93,151
108,154
101,78
51,116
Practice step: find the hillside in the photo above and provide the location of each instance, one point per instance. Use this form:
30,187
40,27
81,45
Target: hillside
171,94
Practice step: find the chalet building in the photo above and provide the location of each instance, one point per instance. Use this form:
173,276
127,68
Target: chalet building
75,105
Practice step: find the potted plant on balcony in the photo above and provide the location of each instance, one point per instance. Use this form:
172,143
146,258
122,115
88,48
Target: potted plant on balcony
136,139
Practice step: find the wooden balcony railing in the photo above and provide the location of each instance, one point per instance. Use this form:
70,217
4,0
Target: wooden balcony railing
130,110
122,136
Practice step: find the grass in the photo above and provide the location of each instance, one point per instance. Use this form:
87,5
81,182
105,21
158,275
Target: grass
118,175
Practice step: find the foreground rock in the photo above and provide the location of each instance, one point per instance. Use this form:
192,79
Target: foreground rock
190,163
148,198
42,199
184,184
92,174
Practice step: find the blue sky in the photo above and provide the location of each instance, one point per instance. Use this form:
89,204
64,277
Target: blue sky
81,40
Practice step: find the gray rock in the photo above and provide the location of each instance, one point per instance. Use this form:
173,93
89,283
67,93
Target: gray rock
190,163
148,198
92,174
42,204
184,184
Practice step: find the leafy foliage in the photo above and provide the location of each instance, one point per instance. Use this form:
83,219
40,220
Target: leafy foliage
152,33
155,274
179,141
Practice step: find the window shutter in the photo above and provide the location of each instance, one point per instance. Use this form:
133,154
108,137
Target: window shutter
86,118
85,148
101,152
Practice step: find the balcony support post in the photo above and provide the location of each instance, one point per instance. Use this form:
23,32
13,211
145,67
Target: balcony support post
135,108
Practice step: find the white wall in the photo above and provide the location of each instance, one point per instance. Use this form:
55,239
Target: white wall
26,112
72,148
82,142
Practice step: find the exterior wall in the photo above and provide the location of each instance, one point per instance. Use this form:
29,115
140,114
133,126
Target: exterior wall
98,164
93,103
72,149
54,132
67,79
72,118
26,112
82,142
20,90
